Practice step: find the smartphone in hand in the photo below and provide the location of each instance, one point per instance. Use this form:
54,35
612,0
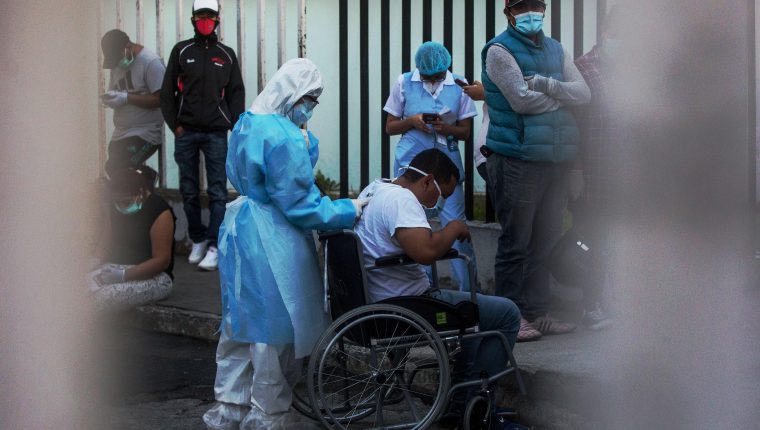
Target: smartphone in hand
430,117
461,82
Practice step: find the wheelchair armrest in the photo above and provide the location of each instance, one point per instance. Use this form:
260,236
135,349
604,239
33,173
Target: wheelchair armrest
394,260
403,259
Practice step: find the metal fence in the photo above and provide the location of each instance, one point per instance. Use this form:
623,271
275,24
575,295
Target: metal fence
472,54
463,26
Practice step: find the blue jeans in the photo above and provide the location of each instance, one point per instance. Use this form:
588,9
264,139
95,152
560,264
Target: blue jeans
487,353
454,210
530,199
128,152
187,149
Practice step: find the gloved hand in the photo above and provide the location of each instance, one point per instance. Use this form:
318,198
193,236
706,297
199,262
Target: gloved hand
114,99
359,206
112,276
575,184
537,83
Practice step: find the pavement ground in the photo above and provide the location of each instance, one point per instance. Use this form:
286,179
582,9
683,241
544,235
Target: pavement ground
170,378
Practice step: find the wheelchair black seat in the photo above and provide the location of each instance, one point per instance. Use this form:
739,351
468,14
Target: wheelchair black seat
441,315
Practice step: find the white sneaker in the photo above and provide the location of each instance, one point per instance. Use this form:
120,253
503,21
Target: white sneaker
211,260
199,250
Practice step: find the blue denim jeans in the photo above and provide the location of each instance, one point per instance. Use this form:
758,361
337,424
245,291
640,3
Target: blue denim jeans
484,354
530,199
187,148
128,152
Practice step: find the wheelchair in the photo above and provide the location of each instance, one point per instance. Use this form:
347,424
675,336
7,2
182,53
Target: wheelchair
379,364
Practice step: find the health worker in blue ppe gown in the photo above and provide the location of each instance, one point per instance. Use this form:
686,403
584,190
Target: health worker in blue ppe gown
272,298
428,108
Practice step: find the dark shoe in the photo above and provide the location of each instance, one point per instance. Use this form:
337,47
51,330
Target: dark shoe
452,416
498,422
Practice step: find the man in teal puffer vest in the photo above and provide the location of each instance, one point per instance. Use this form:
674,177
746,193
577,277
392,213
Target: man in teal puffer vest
529,81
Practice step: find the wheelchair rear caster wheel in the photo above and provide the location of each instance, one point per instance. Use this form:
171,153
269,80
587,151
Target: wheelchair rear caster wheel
477,415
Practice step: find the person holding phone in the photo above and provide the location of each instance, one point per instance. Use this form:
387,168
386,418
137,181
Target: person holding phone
429,110
136,76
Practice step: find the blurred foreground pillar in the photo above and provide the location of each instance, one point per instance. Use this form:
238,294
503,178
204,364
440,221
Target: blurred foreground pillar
48,118
685,348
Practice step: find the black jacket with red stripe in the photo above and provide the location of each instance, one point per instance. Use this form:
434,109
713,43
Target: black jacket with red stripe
203,87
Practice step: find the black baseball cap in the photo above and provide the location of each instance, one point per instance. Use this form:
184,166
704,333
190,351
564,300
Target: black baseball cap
511,3
113,44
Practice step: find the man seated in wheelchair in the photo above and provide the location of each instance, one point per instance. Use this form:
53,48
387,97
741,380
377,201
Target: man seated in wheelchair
395,222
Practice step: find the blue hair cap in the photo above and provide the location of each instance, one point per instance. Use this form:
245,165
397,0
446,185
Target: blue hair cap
432,58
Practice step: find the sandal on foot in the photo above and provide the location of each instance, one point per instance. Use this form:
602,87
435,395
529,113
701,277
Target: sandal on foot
527,332
548,325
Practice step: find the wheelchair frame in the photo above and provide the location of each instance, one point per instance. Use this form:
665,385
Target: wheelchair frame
445,344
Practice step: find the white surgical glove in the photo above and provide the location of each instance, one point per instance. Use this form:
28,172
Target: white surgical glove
112,276
575,184
538,83
114,99
359,206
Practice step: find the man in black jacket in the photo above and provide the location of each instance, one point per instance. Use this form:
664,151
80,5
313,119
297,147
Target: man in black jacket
201,99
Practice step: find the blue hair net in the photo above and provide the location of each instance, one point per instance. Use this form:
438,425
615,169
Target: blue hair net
432,58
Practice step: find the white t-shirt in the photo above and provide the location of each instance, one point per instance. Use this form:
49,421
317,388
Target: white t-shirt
391,207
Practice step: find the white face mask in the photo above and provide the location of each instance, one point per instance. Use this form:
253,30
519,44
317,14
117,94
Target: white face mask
441,200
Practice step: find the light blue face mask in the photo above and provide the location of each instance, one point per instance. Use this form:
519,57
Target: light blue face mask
441,200
302,112
529,23
129,210
125,62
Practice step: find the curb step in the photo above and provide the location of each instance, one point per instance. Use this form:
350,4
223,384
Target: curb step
171,320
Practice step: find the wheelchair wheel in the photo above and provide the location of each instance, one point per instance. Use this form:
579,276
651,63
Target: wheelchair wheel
477,414
302,402
363,372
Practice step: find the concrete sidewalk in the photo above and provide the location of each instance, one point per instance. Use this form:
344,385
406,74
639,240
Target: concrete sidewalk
558,370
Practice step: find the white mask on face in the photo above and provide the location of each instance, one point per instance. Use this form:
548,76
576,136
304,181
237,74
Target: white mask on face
441,200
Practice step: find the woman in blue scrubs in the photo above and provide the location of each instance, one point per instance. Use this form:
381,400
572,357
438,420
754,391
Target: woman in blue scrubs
428,108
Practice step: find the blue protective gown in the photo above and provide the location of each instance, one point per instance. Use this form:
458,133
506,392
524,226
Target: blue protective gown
270,279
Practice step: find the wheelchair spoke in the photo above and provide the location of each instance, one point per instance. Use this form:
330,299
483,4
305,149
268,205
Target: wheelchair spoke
378,371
